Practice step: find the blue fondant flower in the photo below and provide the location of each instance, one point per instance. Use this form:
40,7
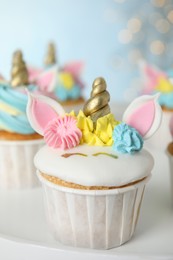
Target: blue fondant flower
61,93
75,92
64,94
126,139
166,99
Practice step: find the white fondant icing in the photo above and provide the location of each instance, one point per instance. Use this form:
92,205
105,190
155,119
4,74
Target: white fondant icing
100,170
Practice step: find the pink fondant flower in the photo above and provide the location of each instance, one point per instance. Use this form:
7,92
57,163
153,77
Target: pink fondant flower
62,132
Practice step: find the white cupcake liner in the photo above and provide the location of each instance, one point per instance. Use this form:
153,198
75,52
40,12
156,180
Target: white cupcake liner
162,137
17,170
100,219
170,158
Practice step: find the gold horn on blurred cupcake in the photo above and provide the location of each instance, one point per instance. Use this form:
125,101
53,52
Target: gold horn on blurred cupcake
19,73
97,106
50,58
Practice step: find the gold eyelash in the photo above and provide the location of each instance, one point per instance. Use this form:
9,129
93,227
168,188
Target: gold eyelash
66,155
108,154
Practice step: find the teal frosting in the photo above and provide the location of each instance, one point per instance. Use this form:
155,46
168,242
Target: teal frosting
166,99
16,100
169,73
126,139
64,94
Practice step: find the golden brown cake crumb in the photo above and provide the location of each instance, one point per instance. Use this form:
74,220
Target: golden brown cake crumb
71,102
170,148
4,135
63,183
167,109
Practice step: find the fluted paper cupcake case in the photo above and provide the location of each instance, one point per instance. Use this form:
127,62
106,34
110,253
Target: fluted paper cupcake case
170,158
100,219
17,170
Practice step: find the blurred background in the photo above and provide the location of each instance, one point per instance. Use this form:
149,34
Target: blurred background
110,36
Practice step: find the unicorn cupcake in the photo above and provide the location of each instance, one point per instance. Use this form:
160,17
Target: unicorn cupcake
62,83
18,140
93,168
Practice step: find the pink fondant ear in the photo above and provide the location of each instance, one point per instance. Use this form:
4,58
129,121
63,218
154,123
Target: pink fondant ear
75,68
33,73
41,110
144,114
151,76
47,80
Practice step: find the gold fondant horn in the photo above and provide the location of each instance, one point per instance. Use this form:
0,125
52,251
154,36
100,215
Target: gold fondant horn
19,73
50,58
97,106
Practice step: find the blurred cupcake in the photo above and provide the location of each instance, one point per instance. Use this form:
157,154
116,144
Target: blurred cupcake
3,80
64,84
93,168
154,81
18,141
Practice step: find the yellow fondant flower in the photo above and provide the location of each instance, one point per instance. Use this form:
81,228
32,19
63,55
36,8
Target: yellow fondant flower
85,124
164,86
91,139
101,133
104,128
67,80
72,113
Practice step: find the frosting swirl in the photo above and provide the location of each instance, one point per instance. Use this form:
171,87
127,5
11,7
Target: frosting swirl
101,134
62,132
13,110
127,139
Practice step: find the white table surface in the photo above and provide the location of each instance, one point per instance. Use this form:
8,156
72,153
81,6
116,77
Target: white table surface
24,234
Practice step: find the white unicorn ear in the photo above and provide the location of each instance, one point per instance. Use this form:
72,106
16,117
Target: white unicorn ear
144,114
47,80
41,110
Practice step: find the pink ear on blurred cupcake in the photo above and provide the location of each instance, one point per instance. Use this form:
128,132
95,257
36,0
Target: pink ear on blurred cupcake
151,76
41,110
47,80
33,73
144,114
75,68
